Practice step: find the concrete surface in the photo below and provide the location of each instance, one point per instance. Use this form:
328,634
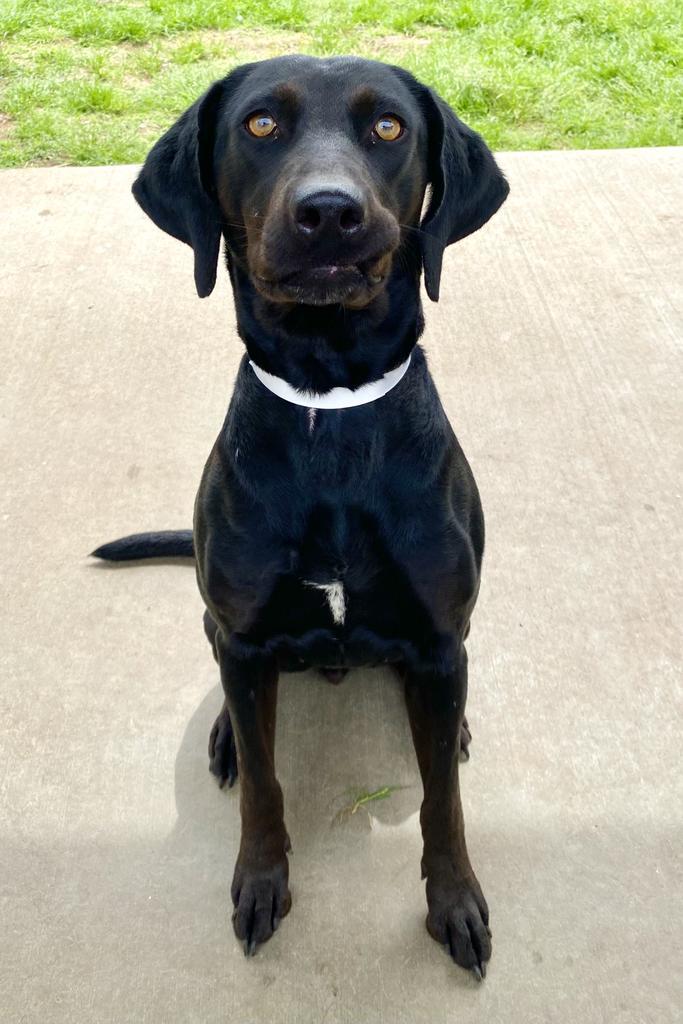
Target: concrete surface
555,349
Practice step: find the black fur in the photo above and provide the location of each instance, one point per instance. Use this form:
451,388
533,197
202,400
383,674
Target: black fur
378,498
159,544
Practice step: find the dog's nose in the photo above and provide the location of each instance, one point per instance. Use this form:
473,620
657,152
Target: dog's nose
328,212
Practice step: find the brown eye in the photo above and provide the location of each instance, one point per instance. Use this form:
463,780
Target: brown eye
388,128
260,125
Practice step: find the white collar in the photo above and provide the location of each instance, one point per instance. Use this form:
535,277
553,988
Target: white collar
337,398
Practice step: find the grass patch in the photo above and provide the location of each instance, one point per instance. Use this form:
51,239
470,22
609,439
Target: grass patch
95,82
359,799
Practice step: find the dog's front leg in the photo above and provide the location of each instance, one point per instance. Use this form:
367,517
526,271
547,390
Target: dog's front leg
457,911
260,891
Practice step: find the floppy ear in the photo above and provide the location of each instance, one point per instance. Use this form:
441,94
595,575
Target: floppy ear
467,186
176,188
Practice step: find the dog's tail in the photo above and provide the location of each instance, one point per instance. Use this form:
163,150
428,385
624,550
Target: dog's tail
160,544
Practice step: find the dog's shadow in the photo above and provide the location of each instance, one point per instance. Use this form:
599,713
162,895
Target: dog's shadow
344,758
335,746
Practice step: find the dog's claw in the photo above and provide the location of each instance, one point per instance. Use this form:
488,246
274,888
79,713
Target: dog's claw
479,972
226,780
249,947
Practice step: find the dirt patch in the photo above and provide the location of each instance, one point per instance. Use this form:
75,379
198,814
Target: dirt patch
254,44
6,125
226,47
397,44
401,41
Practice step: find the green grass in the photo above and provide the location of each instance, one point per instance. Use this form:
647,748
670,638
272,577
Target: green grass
361,798
96,82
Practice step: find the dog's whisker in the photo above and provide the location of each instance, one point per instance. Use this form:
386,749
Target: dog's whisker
415,230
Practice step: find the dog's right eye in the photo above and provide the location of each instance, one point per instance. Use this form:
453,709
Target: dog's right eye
389,128
260,125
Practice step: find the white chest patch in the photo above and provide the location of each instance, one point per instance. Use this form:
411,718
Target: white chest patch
336,598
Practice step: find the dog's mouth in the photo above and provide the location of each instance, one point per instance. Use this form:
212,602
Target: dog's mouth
328,283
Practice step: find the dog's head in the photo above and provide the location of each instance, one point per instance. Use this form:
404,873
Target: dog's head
315,171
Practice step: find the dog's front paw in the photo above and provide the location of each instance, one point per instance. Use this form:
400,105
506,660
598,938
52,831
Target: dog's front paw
261,898
222,750
459,918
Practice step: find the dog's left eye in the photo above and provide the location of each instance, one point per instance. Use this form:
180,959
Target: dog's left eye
388,128
261,125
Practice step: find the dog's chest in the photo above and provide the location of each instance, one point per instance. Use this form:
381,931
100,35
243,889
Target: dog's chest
345,598
335,595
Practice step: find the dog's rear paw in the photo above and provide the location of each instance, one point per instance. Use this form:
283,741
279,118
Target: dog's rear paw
459,918
465,740
261,898
222,750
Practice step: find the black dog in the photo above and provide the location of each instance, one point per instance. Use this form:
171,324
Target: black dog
337,522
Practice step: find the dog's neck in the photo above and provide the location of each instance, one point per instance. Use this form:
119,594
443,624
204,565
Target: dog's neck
318,348
336,398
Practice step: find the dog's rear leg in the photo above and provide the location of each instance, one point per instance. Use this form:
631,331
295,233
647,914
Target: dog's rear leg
260,891
458,915
222,752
